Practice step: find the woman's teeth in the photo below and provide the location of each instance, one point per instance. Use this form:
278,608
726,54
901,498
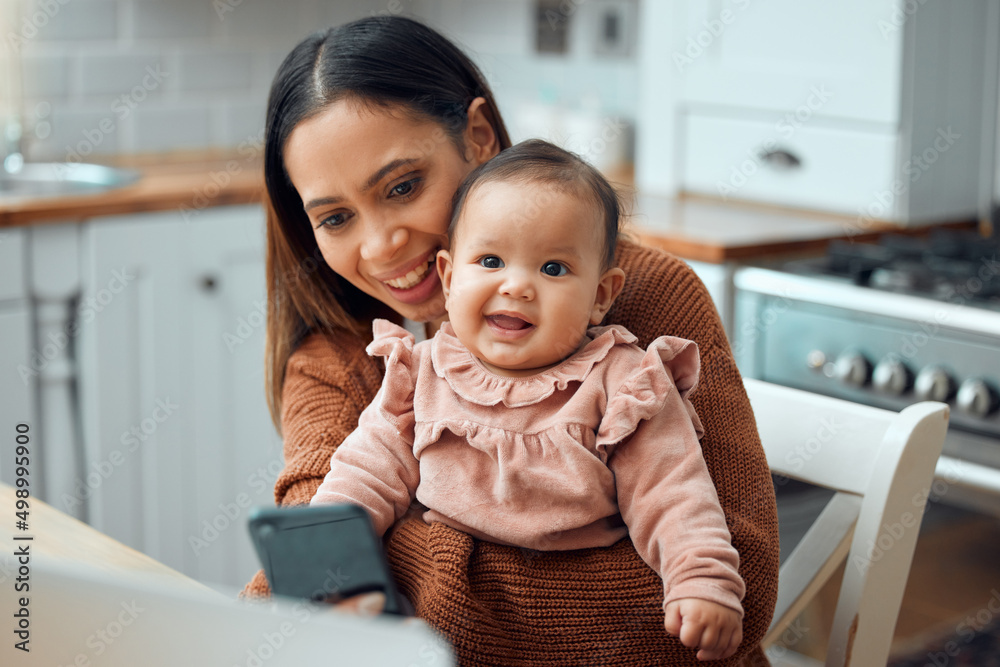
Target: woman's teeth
411,278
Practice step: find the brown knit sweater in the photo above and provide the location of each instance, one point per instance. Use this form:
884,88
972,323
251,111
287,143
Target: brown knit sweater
501,605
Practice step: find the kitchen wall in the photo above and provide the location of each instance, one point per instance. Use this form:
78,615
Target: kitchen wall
140,76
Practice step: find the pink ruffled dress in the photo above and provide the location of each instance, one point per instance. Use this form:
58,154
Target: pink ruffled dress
603,445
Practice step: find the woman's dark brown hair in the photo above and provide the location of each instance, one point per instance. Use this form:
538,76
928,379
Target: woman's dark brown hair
390,62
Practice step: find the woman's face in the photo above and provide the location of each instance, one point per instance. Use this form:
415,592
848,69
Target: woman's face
377,186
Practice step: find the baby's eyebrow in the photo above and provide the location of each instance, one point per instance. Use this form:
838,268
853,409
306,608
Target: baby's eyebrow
565,250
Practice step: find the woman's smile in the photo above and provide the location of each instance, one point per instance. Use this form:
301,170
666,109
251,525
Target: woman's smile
417,284
412,274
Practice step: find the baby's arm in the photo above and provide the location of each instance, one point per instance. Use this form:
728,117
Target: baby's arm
670,505
713,628
374,467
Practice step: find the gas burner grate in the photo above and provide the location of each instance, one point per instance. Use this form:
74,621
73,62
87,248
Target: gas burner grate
948,265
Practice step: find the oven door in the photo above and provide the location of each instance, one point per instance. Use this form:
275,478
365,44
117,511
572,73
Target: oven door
870,347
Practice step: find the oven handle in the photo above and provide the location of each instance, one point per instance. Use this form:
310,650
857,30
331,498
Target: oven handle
968,475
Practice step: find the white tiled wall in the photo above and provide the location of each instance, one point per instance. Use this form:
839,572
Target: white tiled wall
138,76
500,35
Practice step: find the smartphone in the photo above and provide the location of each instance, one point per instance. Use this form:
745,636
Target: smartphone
322,552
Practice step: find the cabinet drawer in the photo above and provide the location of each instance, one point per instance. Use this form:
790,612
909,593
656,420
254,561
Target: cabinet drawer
839,170
12,264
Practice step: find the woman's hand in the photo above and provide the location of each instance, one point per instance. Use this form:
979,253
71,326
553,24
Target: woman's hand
714,629
369,605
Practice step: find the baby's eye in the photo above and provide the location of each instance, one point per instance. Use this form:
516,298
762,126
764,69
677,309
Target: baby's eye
554,269
491,262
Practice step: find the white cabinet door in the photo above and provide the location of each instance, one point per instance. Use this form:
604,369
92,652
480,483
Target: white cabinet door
239,453
178,437
736,53
136,419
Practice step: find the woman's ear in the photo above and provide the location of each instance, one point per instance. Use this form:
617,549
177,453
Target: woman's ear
444,272
480,140
608,290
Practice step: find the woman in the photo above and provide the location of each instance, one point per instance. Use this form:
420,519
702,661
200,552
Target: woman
371,127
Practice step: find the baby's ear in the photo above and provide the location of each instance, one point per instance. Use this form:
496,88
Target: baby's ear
444,271
608,289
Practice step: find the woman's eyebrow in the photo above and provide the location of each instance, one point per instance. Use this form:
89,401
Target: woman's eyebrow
381,173
369,184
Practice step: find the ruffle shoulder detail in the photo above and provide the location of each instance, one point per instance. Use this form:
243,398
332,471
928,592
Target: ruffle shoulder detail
468,378
395,345
668,364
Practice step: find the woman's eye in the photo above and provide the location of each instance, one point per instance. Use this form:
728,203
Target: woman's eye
333,221
404,189
554,269
491,262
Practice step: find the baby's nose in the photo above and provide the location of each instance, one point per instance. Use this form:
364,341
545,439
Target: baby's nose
516,285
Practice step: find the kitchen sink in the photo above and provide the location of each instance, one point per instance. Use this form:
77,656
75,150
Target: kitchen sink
55,179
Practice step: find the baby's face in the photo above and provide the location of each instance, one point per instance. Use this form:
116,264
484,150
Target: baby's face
523,279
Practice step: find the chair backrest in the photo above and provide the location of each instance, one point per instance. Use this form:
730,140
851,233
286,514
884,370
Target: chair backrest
881,465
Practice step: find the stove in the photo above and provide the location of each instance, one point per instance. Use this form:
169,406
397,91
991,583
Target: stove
890,324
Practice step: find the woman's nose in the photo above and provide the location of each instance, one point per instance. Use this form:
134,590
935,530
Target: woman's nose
382,240
518,285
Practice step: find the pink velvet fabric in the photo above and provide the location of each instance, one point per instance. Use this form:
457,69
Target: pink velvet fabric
603,444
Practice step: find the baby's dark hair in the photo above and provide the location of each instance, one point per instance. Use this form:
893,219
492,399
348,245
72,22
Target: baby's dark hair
535,160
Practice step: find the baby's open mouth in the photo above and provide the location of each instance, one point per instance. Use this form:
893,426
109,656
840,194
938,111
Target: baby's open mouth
508,322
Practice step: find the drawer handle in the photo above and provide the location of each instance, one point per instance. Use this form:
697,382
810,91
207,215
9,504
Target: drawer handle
781,159
209,283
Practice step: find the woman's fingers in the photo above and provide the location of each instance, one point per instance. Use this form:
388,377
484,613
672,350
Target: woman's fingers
366,604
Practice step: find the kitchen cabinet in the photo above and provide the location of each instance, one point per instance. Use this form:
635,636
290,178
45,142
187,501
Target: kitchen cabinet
882,111
178,439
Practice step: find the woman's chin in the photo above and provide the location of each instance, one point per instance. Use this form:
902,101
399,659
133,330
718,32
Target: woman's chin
431,310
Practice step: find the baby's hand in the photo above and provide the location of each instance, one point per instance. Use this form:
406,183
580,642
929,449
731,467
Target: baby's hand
713,628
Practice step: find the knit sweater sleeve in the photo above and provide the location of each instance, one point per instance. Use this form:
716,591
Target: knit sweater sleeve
329,380
328,383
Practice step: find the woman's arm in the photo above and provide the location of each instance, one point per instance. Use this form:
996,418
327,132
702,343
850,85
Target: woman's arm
329,382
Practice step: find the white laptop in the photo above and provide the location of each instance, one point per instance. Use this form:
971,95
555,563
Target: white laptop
84,617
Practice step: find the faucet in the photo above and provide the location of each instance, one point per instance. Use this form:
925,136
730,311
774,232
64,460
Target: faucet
13,153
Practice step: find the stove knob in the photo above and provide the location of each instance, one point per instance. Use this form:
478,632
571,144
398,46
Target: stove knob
934,384
891,376
852,368
976,398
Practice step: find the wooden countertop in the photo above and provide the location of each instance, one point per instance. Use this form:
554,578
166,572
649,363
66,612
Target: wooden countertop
691,227
713,231
59,536
191,181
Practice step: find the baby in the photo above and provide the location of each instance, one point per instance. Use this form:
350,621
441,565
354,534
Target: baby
523,423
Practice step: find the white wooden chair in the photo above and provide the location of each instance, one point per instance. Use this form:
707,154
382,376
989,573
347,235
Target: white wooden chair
881,465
